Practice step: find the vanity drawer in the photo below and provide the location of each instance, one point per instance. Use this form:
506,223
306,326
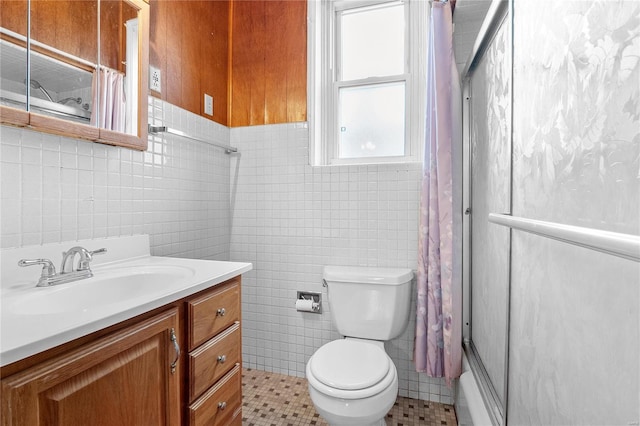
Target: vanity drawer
213,359
221,404
213,312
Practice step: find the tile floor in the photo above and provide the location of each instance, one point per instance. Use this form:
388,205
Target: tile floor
271,399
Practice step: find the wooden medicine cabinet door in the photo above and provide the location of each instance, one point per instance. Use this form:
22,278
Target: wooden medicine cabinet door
83,78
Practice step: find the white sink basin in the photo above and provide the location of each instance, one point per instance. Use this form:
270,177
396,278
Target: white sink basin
127,282
104,289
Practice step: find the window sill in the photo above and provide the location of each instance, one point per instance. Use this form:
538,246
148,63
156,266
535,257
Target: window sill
396,163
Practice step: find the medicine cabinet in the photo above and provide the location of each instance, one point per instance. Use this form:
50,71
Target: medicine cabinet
78,68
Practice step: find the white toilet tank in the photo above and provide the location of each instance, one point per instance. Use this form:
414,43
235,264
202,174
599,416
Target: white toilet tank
369,303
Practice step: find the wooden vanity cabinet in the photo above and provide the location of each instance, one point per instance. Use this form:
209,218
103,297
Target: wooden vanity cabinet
123,375
124,378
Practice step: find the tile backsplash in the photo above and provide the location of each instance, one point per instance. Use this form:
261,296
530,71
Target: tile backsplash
291,219
57,189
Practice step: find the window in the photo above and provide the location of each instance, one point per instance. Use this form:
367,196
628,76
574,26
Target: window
366,80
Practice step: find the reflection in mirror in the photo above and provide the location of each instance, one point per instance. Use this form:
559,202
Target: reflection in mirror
64,53
59,89
87,66
13,53
116,91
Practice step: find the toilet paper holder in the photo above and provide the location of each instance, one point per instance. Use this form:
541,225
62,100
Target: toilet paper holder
315,299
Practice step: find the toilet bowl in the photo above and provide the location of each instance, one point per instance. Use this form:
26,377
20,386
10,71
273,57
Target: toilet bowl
352,381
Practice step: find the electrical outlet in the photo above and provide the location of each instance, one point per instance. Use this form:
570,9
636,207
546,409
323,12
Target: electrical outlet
208,104
155,82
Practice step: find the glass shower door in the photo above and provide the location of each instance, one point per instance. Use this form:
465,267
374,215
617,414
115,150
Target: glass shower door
490,163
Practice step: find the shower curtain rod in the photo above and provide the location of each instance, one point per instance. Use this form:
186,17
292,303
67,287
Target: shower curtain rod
164,129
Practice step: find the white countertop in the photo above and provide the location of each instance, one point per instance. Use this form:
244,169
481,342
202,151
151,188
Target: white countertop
26,332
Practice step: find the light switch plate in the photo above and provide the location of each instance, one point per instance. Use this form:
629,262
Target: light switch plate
155,82
208,104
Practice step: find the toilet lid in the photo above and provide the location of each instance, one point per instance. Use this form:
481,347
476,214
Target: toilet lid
350,364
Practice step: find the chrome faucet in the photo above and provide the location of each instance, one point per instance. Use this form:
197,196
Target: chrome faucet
67,274
86,256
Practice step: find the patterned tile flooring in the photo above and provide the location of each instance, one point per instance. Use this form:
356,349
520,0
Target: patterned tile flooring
271,399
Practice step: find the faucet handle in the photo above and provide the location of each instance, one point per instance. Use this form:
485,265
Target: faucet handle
99,251
48,270
84,263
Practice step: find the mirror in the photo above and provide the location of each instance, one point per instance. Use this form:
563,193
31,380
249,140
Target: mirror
13,61
62,58
87,68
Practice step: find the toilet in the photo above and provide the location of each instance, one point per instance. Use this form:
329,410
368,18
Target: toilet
352,381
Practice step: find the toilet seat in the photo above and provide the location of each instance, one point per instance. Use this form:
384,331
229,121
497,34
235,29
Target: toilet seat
350,364
350,369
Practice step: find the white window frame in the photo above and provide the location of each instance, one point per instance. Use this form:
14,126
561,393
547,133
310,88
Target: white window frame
323,85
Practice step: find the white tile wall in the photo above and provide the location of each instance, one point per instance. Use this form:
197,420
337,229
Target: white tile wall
265,205
56,189
291,219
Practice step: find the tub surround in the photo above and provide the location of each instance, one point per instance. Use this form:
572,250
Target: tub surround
26,333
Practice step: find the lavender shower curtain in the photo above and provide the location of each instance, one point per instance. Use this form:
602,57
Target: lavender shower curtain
438,350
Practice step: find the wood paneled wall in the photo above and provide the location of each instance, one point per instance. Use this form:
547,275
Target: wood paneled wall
189,43
268,62
250,55
68,26
13,15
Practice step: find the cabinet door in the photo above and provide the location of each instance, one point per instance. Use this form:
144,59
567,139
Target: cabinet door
122,379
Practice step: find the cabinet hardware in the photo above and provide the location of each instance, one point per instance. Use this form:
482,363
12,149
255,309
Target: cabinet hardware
220,312
176,347
222,359
222,405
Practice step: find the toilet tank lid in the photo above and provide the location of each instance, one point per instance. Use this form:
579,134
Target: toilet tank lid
370,275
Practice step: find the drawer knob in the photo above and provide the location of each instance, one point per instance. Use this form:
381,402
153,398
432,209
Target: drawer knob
222,405
220,312
222,359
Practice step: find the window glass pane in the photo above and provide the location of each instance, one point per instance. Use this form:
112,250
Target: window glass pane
372,42
372,121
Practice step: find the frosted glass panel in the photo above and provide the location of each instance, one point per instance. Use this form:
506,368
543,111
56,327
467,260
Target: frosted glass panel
575,329
490,174
372,42
372,121
575,333
577,142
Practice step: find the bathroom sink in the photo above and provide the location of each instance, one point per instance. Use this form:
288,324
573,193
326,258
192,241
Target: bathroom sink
108,287
128,281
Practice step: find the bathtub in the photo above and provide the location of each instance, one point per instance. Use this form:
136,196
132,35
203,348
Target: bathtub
470,408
